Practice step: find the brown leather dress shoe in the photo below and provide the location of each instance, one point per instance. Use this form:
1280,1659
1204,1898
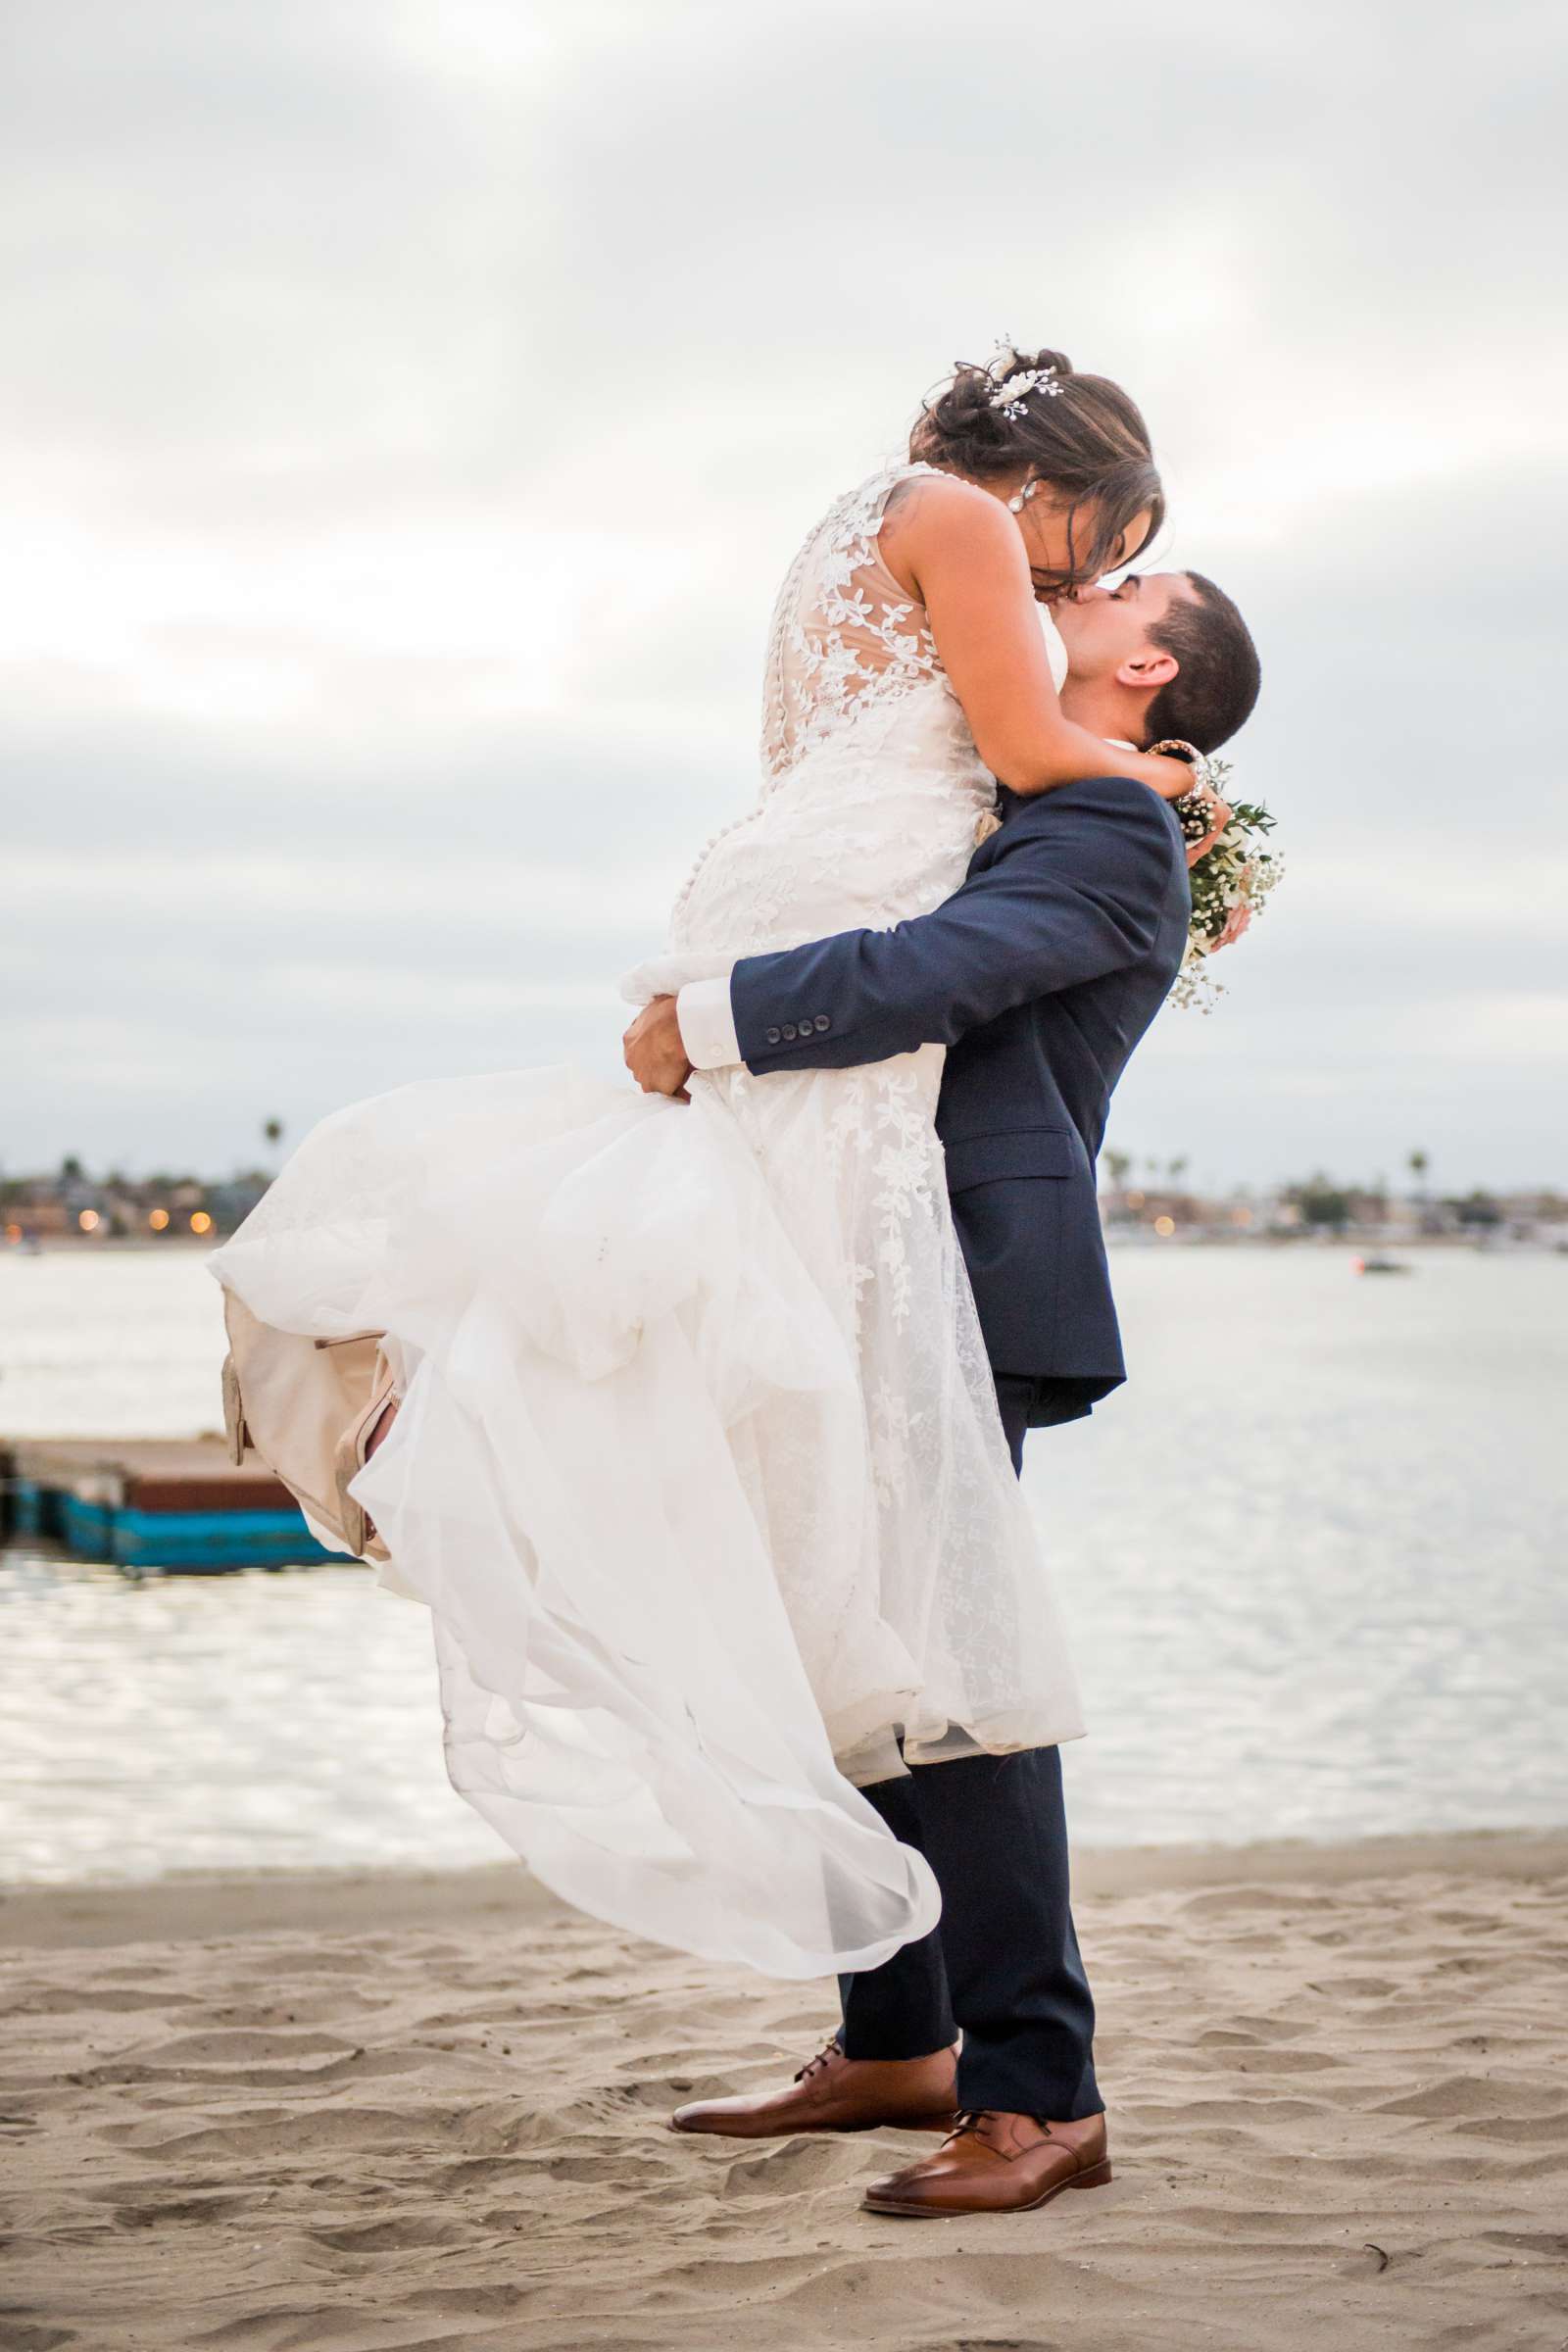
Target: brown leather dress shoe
835,2093
997,2163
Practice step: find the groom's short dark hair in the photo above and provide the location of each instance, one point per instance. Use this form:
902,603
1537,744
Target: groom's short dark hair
1213,692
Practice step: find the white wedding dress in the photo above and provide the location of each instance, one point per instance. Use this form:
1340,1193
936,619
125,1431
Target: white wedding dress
699,1467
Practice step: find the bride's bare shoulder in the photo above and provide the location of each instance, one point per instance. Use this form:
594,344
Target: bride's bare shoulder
936,499
938,515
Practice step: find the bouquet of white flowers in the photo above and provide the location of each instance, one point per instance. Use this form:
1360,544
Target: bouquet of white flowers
1230,883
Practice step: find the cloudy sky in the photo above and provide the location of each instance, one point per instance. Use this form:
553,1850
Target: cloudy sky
411,406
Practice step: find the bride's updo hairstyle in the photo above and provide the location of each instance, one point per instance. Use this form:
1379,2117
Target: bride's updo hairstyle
1078,436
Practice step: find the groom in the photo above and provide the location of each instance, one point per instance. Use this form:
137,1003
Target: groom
1040,975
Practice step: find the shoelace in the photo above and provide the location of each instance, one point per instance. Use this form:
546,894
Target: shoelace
976,2118
829,2049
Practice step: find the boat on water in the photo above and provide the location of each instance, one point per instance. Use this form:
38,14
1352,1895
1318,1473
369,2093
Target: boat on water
1381,1265
152,1504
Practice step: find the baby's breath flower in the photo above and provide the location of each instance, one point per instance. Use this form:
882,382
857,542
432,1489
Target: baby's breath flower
1236,871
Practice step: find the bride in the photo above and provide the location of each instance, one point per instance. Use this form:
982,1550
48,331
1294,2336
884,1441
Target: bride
676,1416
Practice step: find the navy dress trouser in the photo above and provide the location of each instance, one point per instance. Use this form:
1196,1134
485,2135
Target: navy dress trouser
1003,1961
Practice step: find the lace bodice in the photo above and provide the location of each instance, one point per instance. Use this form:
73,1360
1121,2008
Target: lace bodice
845,636
871,787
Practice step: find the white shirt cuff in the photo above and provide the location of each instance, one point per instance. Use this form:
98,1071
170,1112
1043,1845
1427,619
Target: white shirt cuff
708,1024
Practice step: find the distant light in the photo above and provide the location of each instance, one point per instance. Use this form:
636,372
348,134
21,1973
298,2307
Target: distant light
1135,1200
1165,1227
1241,1216
199,1221
13,1233
88,1220
158,1219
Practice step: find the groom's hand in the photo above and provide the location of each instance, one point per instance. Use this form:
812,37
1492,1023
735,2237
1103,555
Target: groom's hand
654,1052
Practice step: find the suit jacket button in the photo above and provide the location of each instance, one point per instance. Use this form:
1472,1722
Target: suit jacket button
773,1036
821,1024
789,1033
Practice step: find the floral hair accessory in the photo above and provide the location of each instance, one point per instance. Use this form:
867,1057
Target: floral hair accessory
1012,395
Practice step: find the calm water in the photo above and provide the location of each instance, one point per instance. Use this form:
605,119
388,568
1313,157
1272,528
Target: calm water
1312,1557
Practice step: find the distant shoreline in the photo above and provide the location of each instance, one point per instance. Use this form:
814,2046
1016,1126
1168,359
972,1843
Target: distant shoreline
120,1245
1117,1237
196,1906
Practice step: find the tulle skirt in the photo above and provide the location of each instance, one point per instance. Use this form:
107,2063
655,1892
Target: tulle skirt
636,1481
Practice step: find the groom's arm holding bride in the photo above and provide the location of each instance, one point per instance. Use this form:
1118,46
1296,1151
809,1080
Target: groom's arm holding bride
1076,884
1070,889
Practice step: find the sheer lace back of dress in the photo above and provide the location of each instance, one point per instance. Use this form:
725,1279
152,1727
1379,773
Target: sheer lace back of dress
845,634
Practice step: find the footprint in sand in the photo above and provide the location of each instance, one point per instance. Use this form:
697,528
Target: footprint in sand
20,2335
390,2236
1355,1988
798,2164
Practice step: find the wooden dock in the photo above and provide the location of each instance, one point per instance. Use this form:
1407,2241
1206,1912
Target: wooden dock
145,1504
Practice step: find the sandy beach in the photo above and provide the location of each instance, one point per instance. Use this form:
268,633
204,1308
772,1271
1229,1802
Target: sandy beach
339,2110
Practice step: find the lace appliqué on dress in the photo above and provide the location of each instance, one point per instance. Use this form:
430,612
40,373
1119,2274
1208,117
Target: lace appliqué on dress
885,1111
839,642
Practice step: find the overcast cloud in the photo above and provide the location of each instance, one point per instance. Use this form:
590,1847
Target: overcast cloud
410,406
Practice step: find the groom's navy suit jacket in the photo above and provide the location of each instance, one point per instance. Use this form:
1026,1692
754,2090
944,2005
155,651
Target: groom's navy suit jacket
1040,975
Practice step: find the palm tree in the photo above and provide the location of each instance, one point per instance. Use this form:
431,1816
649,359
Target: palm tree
1117,1165
1418,1164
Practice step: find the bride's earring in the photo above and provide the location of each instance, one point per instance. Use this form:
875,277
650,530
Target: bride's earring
1020,498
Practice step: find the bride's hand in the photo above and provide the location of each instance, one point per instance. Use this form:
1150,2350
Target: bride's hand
1188,764
1219,813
